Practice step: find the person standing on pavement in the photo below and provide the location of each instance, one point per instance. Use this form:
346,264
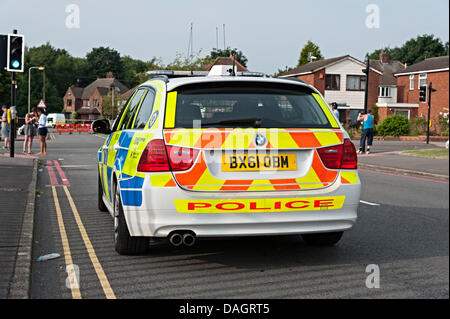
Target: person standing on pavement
30,130
5,127
335,110
42,131
367,120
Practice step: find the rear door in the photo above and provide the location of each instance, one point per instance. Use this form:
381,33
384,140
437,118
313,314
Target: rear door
251,136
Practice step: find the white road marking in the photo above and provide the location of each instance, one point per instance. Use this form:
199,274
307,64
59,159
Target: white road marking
72,166
369,203
103,137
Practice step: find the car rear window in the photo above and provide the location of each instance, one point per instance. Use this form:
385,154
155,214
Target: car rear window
243,104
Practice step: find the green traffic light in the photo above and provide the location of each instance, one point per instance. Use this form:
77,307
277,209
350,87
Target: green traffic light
15,64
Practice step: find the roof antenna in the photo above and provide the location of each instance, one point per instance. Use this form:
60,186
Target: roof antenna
233,73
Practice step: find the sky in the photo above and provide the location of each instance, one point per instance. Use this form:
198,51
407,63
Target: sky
271,33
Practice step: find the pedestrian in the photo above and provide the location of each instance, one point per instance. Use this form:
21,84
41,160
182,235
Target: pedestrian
42,131
5,127
30,130
367,132
335,110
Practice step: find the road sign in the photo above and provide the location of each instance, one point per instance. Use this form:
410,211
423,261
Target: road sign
42,104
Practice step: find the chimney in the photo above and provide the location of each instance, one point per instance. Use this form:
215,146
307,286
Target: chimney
109,75
384,57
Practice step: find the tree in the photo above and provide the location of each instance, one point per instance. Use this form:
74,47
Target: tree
192,62
310,48
108,110
103,60
215,53
415,50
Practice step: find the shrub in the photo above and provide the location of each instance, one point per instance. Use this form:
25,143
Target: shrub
418,126
376,117
395,125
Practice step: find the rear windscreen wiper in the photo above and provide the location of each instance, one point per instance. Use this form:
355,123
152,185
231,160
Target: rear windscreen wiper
255,122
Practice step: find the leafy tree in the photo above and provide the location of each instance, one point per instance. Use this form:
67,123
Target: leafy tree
192,62
108,110
215,53
134,70
309,48
415,50
103,60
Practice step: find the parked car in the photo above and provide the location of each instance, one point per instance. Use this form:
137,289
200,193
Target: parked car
225,155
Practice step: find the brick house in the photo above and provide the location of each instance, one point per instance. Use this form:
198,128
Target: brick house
340,80
87,102
388,91
409,80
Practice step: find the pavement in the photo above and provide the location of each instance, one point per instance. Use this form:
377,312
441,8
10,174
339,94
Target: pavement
18,191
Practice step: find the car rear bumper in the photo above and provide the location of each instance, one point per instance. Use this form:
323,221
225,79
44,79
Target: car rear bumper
158,215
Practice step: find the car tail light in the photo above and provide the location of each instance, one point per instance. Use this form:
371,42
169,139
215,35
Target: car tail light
154,158
349,158
341,156
181,158
157,157
331,156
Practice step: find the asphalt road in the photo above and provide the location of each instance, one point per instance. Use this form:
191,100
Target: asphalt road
403,229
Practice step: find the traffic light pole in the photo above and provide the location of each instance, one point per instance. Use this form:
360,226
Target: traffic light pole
12,133
366,91
430,89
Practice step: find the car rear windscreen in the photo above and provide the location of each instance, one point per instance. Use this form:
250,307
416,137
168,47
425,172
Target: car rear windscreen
243,104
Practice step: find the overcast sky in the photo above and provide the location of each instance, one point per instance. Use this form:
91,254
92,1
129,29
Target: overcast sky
271,33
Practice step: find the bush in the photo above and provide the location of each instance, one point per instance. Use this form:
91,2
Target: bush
376,117
395,125
418,126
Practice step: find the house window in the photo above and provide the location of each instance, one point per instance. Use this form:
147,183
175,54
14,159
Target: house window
88,103
411,82
384,91
95,103
332,82
422,80
404,113
356,83
69,102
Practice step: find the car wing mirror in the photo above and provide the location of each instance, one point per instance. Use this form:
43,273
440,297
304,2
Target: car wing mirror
101,126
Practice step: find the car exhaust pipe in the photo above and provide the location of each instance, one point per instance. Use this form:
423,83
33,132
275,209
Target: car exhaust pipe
188,239
176,239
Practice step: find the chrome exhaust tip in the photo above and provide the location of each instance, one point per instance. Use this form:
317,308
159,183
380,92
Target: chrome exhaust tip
188,240
176,239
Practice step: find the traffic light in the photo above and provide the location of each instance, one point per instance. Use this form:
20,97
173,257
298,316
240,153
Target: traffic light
14,53
423,94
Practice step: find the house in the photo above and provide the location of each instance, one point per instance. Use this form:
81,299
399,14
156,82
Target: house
388,91
227,61
341,80
87,102
409,80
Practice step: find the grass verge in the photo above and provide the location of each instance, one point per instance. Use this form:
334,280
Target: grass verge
429,153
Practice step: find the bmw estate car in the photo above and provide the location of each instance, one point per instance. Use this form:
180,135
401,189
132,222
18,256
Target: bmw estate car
215,154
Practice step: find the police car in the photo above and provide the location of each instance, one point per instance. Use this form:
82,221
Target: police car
195,154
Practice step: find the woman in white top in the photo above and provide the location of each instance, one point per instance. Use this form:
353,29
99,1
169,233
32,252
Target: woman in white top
42,131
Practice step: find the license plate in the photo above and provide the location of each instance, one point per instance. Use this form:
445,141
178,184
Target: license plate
259,162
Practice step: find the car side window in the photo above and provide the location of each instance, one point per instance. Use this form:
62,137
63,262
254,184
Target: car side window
145,110
125,122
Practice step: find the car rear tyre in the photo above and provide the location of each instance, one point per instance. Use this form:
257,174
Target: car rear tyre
322,239
123,242
101,204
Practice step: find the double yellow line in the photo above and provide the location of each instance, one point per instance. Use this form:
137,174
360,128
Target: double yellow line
76,293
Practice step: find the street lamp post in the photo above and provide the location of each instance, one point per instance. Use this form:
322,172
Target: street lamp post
40,68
